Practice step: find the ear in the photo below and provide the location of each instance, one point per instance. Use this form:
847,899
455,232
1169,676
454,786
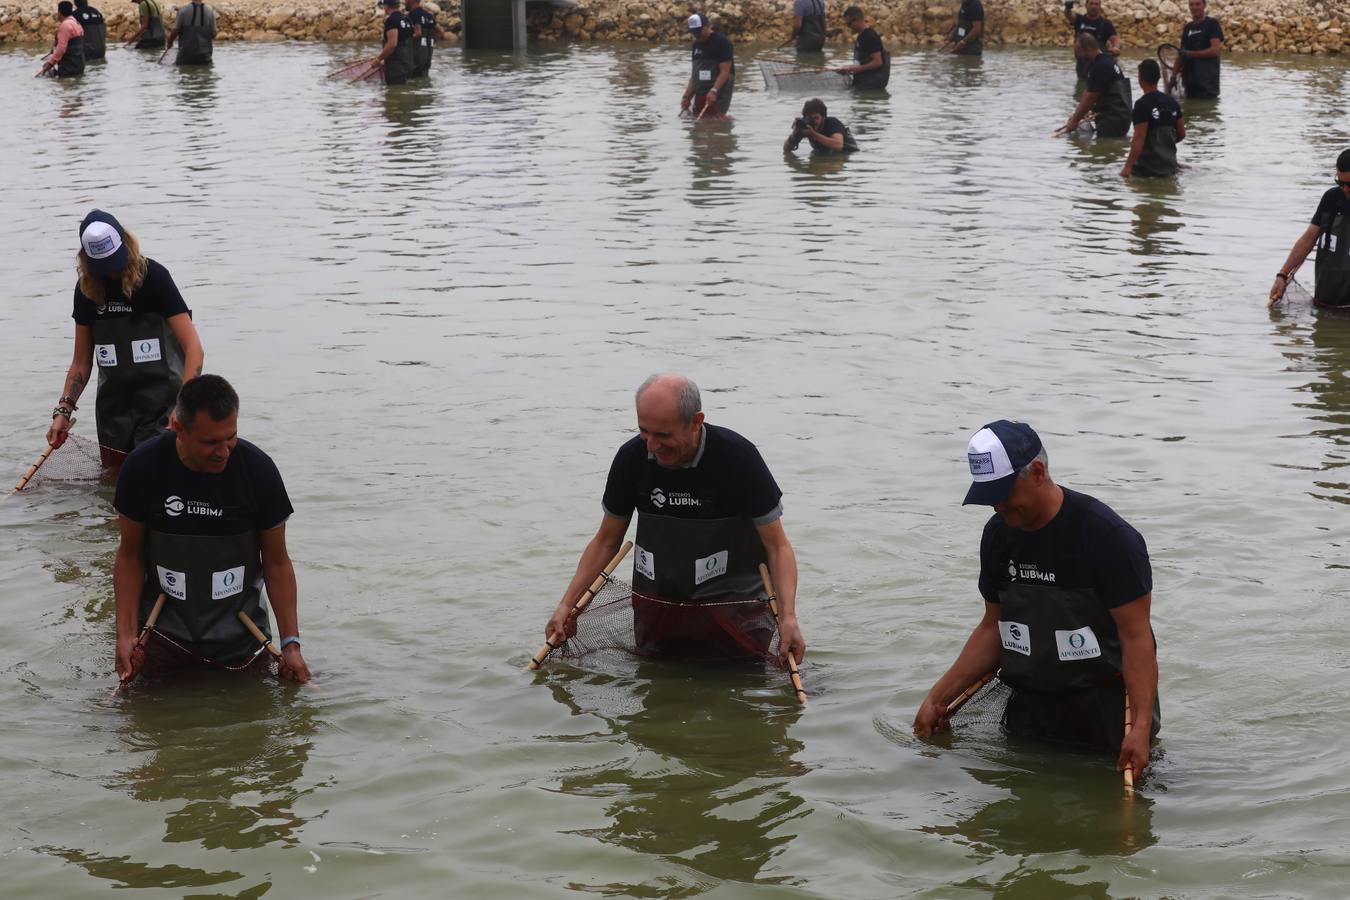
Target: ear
174,424
697,421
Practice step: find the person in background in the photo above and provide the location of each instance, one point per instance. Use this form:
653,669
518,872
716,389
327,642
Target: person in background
425,35
872,70
396,53
1106,96
967,36
150,35
95,30
195,30
67,58
1201,47
714,69
808,25
1095,24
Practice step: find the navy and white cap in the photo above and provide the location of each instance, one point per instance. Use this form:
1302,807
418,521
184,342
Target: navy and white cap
997,452
101,237
697,21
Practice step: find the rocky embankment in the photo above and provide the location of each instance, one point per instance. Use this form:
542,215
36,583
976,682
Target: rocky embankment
1249,25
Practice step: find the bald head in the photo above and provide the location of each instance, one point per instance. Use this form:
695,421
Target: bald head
1088,43
670,394
670,419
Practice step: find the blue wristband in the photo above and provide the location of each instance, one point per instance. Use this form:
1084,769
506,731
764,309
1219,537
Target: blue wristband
287,641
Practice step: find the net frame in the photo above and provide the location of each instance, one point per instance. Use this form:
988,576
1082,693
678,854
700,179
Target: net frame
77,460
1169,60
788,75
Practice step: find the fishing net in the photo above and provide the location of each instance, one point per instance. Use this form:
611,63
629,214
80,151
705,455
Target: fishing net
982,714
361,70
78,459
791,76
1295,292
622,625
1169,60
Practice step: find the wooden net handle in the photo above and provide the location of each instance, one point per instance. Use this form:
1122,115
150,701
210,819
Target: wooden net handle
969,692
150,621
577,608
1128,773
773,608
258,635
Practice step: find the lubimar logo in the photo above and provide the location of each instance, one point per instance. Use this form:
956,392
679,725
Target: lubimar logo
175,506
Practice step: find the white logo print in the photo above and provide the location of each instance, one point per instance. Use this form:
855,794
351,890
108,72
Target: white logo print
105,354
1012,570
658,498
1016,637
172,583
710,567
644,561
227,583
1157,113
173,506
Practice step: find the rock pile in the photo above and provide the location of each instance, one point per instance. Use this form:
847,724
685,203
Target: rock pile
1265,26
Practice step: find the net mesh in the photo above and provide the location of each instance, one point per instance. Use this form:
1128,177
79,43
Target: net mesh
790,76
1295,292
78,459
1169,60
982,714
620,625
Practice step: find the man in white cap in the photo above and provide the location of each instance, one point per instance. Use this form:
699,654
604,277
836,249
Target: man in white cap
1067,588
714,70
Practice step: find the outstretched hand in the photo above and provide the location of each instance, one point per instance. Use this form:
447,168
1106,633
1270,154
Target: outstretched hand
1277,291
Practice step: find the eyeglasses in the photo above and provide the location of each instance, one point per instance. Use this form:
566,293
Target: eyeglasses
1343,185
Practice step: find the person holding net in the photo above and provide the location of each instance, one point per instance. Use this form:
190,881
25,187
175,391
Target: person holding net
808,26
709,514
1106,94
825,133
1158,125
1067,588
872,69
202,515
967,36
131,320
1095,24
714,70
1329,232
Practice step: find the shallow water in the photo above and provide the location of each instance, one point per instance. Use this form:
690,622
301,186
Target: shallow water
436,302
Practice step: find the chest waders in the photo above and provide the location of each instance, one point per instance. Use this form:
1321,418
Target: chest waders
1113,110
873,79
208,581
154,30
705,76
140,369
1061,655
974,46
696,586
72,62
1201,77
194,43
1333,263
398,66
811,39
423,47
1159,156
95,34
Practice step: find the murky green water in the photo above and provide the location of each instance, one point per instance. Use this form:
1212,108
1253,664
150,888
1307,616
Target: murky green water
436,303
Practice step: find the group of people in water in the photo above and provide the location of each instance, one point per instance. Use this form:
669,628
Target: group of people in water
82,35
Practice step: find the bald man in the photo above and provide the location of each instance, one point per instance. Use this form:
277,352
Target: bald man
709,512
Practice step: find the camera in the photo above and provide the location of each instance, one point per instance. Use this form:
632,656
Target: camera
800,123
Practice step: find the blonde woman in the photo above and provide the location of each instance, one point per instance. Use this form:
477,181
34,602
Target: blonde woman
131,321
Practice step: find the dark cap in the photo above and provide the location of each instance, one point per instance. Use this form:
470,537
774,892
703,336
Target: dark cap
997,452
103,242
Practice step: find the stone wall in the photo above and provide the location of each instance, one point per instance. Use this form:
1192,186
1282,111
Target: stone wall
1249,25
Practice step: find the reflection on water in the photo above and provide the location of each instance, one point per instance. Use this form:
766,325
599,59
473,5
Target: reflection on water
704,783
1319,345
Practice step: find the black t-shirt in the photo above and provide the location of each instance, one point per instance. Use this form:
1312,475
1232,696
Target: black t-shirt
399,21
1333,201
88,16
1156,108
972,11
157,293
729,479
423,19
867,43
1197,35
1100,28
1103,72
829,128
154,479
1086,545
717,49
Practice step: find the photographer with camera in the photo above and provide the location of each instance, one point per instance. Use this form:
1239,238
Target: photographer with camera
1095,24
826,134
